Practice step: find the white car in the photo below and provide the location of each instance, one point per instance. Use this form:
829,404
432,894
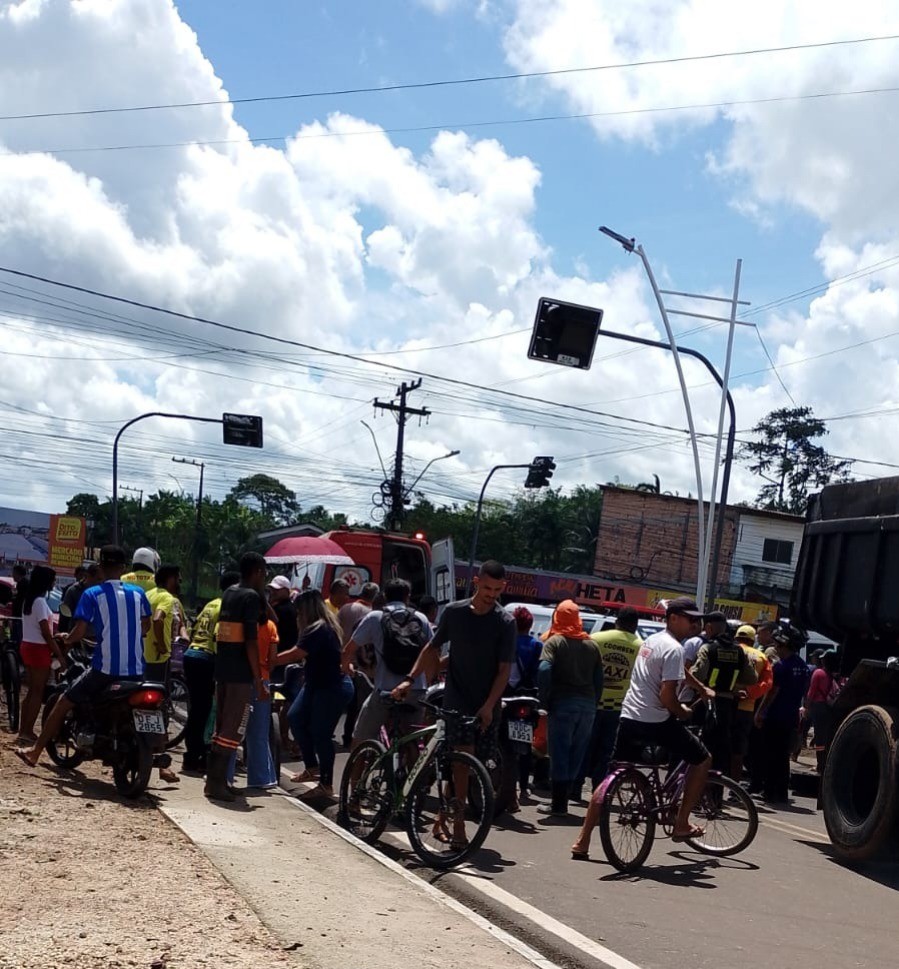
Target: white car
593,622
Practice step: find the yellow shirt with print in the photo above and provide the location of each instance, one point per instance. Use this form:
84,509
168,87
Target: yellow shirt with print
619,650
164,602
141,578
203,634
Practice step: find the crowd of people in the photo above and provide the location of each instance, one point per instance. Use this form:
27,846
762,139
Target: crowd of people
736,700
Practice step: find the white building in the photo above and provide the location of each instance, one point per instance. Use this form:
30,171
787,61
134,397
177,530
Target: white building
766,551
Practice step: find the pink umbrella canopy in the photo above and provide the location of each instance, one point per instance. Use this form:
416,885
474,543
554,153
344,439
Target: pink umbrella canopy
307,550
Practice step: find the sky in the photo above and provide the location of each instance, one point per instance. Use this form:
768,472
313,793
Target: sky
352,241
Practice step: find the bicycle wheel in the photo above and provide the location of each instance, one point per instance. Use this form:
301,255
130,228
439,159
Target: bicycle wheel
366,803
627,823
442,833
729,816
177,707
12,686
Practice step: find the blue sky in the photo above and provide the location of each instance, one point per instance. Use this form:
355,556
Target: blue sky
663,195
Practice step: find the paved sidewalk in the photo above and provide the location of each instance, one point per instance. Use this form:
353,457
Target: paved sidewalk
322,896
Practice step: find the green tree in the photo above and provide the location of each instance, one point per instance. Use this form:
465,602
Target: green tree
269,496
788,459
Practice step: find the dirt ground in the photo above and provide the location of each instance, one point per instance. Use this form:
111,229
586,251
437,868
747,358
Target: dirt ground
89,881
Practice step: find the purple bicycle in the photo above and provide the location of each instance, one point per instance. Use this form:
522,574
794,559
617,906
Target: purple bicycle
634,799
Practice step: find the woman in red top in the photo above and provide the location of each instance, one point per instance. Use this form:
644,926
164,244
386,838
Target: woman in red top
825,684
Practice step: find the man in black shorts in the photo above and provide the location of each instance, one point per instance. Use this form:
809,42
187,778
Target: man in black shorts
482,637
652,715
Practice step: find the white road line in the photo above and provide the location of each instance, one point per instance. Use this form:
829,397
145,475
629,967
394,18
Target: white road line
573,938
786,828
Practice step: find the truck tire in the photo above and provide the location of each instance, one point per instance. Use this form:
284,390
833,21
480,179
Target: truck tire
859,790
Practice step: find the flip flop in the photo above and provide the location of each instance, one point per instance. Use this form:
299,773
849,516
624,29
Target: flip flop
580,855
21,755
695,832
305,777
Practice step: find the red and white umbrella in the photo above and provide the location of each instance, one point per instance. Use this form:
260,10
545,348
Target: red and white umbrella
307,550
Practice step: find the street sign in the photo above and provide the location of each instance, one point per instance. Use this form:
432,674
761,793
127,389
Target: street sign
243,430
66,543
565,333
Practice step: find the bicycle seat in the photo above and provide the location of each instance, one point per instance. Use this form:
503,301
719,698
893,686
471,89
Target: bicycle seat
654,756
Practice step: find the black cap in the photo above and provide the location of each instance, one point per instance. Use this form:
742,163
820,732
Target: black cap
715,616
684,606
112,555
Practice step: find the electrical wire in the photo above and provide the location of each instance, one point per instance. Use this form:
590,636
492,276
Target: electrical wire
454,82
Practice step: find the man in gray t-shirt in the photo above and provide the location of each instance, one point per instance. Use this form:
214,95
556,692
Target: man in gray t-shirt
369,634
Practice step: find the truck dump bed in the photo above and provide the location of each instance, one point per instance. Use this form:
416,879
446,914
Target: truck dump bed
847,577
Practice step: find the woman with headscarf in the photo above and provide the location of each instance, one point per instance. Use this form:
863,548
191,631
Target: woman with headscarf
570,683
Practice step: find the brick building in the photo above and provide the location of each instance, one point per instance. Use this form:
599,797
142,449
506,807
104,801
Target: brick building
651,539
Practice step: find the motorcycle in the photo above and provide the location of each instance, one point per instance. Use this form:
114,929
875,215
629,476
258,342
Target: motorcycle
123,728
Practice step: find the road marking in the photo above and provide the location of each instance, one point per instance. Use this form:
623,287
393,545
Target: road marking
600,953
787,828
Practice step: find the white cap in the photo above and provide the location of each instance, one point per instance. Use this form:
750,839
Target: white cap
147,557
279,582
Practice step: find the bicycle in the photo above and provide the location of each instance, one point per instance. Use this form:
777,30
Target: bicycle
634,799
378,782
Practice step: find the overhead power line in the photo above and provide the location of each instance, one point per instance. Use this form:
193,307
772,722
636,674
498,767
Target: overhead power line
451,82
370,132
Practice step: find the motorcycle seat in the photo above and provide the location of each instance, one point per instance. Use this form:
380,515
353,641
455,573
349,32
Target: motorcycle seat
119,689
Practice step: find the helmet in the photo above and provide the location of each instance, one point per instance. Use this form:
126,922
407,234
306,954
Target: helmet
147,557
788,635
746,632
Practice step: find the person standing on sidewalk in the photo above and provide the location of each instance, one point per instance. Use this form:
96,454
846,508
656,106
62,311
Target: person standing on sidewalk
481,635
237,673
570,683
619,648
349,617
326,693
199,676
748,700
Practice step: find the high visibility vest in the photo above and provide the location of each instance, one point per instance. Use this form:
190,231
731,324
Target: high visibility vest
726,661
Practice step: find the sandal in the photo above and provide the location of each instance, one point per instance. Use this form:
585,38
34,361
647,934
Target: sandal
579,855
305,777
20,753
695,832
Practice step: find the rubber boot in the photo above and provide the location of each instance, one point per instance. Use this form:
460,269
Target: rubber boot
216,788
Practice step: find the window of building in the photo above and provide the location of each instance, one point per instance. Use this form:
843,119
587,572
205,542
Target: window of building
777,551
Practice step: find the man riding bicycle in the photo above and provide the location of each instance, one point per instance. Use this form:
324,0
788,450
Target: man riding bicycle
652,716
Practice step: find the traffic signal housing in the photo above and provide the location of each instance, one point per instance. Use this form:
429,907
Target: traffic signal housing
539,472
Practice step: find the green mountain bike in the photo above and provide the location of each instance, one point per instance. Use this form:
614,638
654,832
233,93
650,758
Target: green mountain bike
416,776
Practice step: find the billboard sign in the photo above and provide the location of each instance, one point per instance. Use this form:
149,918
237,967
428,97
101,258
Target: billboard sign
66,543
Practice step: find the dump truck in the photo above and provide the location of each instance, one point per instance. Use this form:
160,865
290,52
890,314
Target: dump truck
847,587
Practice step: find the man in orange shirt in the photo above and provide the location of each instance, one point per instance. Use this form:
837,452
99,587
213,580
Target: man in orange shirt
748,698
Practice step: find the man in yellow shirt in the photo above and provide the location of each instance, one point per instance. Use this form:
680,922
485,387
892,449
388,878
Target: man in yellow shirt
199,675
165,622
338,595
619,648
144,564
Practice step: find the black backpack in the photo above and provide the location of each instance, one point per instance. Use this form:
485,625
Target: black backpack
404,636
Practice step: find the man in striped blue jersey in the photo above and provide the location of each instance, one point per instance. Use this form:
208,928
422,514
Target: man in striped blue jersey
120,615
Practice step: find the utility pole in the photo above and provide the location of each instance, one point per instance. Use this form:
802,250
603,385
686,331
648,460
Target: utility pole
394,488
195,558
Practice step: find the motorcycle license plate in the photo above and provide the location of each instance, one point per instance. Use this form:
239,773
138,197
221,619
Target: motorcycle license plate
522,731
149,721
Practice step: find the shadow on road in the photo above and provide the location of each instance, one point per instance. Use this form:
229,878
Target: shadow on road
885,873
73,783
689,871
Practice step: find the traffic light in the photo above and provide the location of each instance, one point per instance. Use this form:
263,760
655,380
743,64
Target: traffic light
539,473
565,333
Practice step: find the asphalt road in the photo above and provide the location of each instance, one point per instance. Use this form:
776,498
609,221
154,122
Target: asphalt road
785,901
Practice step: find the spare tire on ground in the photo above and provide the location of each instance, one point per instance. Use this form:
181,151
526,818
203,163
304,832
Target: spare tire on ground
860,787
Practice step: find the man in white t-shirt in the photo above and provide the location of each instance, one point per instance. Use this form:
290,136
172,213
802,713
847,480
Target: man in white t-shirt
653,716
